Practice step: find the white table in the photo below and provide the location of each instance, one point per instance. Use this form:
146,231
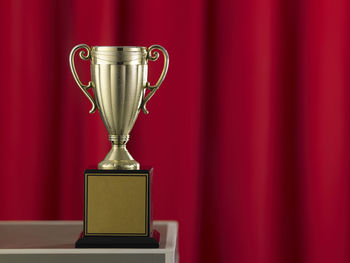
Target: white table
53,242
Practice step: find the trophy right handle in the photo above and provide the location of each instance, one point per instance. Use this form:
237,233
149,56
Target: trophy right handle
83,87
154,55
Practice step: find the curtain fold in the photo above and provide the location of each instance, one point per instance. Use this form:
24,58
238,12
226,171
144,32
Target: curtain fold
248,134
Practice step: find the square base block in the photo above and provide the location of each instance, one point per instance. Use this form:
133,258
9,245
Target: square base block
117,209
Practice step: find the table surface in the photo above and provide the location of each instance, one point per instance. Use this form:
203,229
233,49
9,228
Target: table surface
53,241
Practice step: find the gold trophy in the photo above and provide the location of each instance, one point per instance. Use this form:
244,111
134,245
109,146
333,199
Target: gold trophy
117,194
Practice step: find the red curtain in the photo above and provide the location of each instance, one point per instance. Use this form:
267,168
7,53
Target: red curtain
248,135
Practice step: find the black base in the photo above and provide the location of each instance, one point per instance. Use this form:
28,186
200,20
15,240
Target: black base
116,242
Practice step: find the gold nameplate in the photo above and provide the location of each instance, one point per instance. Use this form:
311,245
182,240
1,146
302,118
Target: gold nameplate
116,204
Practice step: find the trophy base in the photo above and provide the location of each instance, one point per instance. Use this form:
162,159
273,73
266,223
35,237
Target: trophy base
117,210
118,242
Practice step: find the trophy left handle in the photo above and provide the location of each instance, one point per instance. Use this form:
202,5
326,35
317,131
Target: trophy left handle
83,56
153,55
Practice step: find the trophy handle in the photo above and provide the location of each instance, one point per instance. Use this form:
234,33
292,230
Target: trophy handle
83,87
154,56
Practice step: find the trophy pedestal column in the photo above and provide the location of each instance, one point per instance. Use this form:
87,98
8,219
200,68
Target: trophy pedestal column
117,210
119,158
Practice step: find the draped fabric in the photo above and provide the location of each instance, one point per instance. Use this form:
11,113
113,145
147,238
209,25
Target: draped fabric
248,135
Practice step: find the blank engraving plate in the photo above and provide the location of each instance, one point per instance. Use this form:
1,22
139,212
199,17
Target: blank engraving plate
116,204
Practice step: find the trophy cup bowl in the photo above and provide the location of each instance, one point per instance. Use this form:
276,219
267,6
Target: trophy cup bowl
119,84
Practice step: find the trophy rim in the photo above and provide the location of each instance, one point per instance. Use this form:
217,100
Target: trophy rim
118,48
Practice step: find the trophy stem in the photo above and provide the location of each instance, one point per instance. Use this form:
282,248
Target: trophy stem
119,140
119,157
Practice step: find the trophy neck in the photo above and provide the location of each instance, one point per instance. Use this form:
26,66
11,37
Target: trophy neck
119,140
